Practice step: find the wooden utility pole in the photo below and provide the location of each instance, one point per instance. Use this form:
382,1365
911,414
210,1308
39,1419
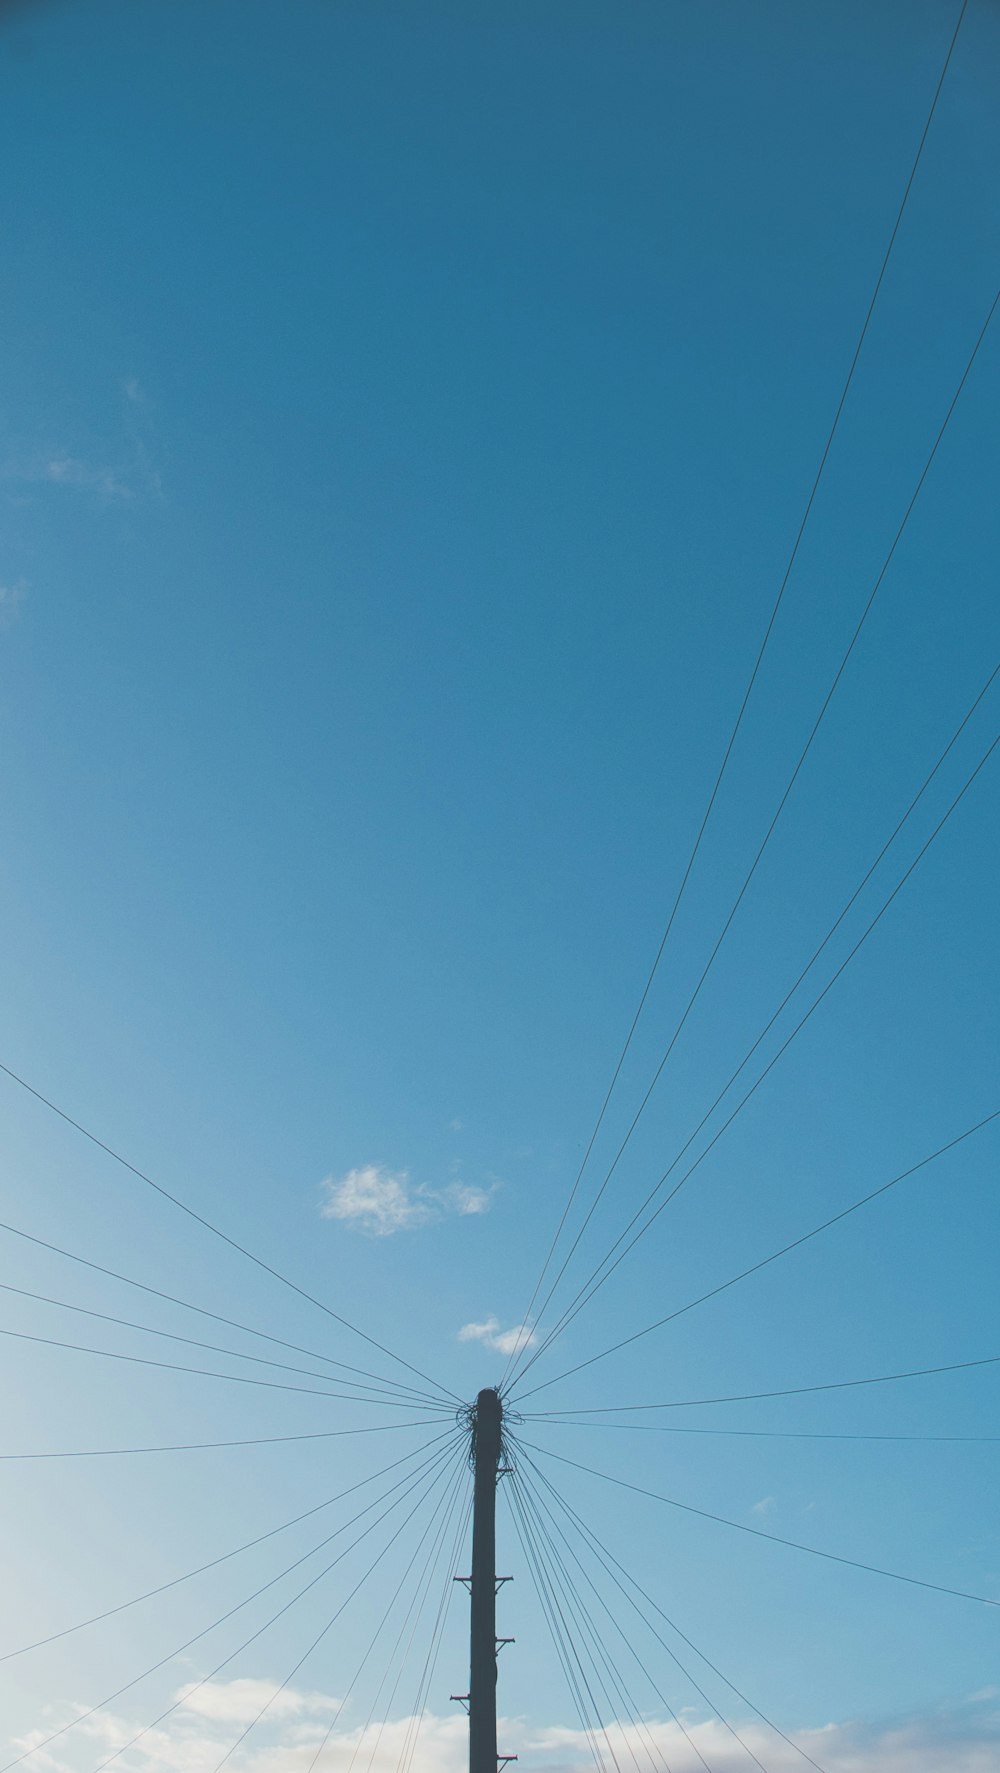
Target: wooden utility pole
487,1446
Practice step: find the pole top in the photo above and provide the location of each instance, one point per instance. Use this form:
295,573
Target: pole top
486,1423
489,1409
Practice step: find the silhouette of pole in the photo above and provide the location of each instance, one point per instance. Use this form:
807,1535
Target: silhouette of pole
486,1449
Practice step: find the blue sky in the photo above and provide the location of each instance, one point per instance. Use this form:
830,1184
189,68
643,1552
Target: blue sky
405,418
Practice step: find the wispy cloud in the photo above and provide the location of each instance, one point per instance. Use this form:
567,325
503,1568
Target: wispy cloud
11,598
766,1505
492,1336
467,1200
382,1202
108,483
115,471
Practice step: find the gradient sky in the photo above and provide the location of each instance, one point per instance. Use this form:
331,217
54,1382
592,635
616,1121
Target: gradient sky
406,413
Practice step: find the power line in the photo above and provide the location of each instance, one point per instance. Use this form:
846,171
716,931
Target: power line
745,1397
369,1395
260,1440
777,814
775,1538
214,1563
586,1292
206,1373
536,1506
597,1279
750,685
187,1694
724,1721
171,1656
433,1651
590,1721
203,1311
765,1261
318,1639
773,1434
420,1594
216,1231
606,1558
621,1706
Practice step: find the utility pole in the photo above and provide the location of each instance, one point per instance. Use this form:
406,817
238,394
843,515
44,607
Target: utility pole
487,1447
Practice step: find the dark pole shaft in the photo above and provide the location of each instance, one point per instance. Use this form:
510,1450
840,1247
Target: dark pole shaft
483,1649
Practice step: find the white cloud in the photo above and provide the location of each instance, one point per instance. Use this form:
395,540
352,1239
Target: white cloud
920,1745
239,1701
959,1742
504,1341
766,1505
375,1200
381,1201
454,1126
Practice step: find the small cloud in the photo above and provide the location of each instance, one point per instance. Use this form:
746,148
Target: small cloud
454,1126
133,390
766,1505
71,471
375,1200
467,1200
504,1341
381,1201
11,598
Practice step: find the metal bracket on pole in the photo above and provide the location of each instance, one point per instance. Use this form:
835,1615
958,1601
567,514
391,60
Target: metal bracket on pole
500,1644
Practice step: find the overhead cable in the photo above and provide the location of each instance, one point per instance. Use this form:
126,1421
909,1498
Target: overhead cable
217,1231
416,1720
237,1551
259,1440
536,1507
81,1716
686,1672
753,674
770,1434
605,1558
776,1255
590,1721
320,1635
744,1397
140,1360
413,1612
203,1311
831,1557
604,1270
369,1394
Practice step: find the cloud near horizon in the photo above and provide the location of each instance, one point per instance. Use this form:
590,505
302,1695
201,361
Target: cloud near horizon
965,1739
380,1201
